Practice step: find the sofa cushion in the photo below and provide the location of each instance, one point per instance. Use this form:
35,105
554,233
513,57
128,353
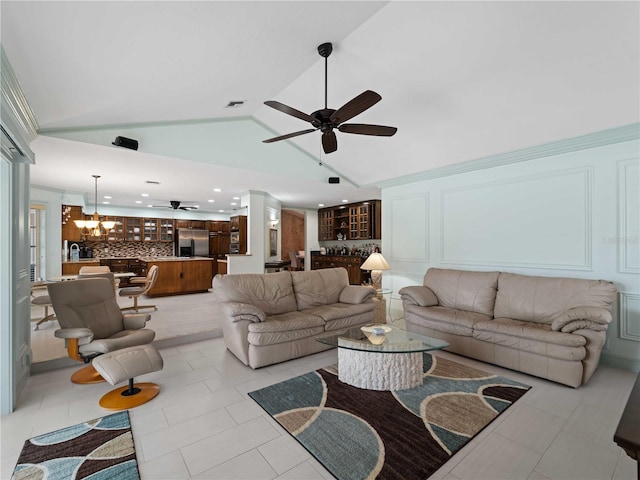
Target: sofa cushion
272,293
463,290
541,299
443,319
531,337
319,287
285,327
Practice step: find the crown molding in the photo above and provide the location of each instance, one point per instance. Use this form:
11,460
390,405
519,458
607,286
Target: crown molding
19,124
601,138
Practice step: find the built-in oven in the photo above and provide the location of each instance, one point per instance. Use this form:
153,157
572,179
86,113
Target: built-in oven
234,237
234,248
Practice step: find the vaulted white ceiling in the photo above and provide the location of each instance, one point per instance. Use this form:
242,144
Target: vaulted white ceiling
460,80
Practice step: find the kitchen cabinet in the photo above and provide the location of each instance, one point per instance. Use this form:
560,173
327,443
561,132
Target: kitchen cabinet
166,229
70,231
218,226
356,221
121,265
73,268
192,224
151,230
351,263
116,234
176,277
133,229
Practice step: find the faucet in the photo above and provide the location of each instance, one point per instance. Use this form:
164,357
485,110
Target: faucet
75,255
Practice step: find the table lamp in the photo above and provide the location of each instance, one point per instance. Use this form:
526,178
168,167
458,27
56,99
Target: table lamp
376,263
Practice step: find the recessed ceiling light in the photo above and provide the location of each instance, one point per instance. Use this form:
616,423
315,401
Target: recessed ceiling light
221,211
321,204
108,197
217,189
236,198
138,201
144,194
105,203
345,201
233,203
210,201
150,206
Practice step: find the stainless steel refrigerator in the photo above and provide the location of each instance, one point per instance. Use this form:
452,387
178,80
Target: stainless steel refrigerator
191,243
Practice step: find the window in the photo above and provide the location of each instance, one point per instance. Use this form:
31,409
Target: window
37,215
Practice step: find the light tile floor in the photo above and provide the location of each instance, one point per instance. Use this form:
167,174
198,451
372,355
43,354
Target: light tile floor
203,424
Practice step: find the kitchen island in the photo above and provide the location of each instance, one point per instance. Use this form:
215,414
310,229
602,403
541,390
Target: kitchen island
180,275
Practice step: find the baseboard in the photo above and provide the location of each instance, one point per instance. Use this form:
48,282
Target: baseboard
630,364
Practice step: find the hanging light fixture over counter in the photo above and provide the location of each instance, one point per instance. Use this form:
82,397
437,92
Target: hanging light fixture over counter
94,227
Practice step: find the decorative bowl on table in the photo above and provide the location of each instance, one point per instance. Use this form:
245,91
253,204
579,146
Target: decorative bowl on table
376,334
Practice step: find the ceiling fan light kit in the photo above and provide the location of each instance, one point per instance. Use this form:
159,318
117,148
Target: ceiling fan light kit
327,119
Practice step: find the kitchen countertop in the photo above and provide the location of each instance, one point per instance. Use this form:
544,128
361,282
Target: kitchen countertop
82,260
173,259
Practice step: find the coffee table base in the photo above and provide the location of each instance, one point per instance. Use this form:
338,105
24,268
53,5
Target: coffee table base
380,371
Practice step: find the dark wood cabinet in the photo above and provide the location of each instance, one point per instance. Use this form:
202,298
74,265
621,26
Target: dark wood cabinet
218,226
176,277
351,263
121,265
192,224
356,221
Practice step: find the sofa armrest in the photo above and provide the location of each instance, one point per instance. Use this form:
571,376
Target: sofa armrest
592,318
356,294
135,321
243,311
418,295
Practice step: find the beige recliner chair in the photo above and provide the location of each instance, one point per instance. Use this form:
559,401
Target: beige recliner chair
92,323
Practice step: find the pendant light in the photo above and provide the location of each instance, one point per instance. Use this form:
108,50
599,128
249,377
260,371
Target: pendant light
94,227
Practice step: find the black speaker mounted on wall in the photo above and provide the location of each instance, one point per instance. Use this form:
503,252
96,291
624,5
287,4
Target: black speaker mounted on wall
126,143
334,179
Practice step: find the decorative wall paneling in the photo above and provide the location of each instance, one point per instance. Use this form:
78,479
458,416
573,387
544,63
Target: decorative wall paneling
573,214
628,241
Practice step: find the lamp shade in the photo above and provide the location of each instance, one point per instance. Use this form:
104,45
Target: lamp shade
375,261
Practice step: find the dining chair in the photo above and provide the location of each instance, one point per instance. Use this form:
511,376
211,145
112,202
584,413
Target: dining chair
98,271
91,323
294,261
43,301
144,285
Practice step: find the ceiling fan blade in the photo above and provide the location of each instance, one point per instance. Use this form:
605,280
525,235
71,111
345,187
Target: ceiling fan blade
281,107
329,142
289,135
365,129
355,106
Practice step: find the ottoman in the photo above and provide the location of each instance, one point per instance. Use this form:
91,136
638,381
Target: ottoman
121,365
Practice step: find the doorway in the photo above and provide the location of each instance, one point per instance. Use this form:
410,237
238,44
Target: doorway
292,230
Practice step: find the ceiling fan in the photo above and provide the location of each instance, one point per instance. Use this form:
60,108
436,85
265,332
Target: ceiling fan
327,119
175,204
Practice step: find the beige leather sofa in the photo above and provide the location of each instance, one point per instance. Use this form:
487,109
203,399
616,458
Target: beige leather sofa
273,317
552,328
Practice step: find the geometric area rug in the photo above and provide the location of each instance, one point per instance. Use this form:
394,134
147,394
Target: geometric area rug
404,434
98,449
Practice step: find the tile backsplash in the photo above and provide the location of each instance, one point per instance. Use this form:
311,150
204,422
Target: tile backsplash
130,249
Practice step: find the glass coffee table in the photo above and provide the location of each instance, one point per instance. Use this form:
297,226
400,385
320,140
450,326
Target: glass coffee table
379,356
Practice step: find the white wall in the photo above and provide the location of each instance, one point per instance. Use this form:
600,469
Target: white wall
573,215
